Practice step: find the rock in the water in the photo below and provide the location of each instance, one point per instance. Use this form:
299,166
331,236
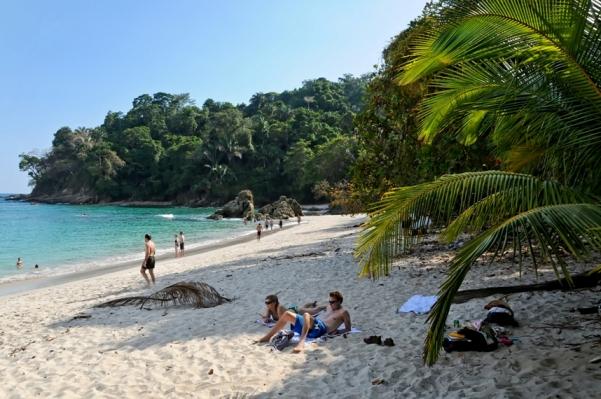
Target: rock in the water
283,208
240,207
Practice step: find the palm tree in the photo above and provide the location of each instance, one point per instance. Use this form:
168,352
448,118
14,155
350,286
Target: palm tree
525,74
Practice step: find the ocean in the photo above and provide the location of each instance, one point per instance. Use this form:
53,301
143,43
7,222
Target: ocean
67,238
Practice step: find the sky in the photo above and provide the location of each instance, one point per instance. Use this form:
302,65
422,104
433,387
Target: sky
67,63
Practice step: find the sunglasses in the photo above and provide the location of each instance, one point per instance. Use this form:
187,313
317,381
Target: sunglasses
332,302
268,302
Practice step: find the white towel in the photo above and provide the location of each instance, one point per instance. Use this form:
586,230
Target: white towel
418,304
266,324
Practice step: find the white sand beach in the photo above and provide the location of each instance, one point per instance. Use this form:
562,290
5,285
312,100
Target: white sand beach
180,352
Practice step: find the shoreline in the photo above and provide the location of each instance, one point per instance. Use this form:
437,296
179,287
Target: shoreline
133,204
17,287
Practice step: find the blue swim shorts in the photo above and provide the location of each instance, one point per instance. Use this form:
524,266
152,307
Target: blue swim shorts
319,327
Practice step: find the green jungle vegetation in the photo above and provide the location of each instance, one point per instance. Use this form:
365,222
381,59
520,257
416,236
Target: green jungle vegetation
165,148
346,142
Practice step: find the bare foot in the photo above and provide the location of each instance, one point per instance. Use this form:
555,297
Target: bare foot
299,348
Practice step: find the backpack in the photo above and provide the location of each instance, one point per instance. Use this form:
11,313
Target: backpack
473,341
282,339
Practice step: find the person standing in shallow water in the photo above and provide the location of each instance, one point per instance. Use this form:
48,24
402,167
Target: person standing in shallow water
181,243
19,263
259,229
176,246
148,263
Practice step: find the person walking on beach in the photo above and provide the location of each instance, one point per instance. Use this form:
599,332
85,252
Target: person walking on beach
298,218
181,243
281,223
259,229
176,246
148,263
270,224
20,263
308,325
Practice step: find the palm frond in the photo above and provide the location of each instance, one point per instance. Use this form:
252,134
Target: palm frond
405,213
508,202
503,28
570,227
195,293
536,65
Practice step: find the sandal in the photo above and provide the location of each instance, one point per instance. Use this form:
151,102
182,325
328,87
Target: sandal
388,342
374,339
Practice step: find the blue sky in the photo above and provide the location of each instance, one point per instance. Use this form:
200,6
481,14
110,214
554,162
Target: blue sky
66,63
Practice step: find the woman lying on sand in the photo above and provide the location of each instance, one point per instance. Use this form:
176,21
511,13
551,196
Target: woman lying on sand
274,309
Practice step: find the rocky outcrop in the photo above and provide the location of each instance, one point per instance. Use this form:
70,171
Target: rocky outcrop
16,197
283,208
240,207
65,196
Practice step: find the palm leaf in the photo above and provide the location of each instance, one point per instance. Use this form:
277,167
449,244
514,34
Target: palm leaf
555,227
534,64
508,202
403,213
195,293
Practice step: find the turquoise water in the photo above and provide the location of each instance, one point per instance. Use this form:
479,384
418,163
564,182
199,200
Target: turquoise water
62,238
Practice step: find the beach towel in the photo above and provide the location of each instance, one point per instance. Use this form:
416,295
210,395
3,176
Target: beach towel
418,304
323,338
269,324
296,337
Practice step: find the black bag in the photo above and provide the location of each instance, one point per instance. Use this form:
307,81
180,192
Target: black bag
282,339
474,341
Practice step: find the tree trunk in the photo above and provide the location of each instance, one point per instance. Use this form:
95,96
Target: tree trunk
583,280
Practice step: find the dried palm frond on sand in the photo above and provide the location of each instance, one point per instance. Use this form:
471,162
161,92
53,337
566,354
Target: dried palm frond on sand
195,293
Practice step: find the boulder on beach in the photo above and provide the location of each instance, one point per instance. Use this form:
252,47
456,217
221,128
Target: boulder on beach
283,208
240,207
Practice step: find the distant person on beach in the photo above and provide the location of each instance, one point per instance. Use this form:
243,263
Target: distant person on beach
181,243
274,309
148,263
270,224
310,326
176,246
281,223
20,263
298,219
36,266
259,229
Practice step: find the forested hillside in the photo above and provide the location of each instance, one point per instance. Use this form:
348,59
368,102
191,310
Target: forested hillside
166,148
390,152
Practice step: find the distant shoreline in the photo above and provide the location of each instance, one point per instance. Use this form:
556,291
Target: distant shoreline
318,208
74,200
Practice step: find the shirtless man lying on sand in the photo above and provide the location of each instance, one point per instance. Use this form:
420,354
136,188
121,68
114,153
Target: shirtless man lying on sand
308,325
